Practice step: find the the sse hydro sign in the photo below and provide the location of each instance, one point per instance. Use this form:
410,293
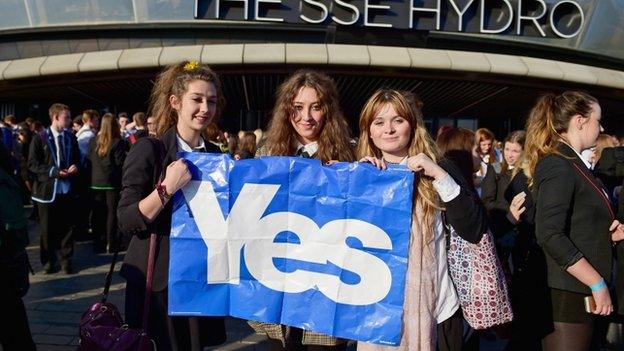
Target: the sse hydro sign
546,18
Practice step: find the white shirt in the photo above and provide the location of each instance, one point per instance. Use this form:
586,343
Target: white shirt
447,300
183,146
63,184
310,148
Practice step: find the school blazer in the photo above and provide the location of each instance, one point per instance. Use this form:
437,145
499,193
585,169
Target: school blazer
42,163
140,176
572,219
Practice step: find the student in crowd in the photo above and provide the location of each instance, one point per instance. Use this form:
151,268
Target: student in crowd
14,266
54,159
77,124
24,136
90,124
123,120
529,287
392,130
485,149
493,189
185,99
86,134
574,221
246,146
307,122
139,120
106,155
151,126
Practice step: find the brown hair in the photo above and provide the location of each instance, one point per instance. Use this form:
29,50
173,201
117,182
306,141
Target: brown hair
456,145
109,130
333,141
139,119
212,132
483,134
174,80
517,137
247,143
549,118
57,108
89,115
420,141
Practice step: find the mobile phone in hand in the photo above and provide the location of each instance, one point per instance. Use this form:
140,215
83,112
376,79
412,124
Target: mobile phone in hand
590,304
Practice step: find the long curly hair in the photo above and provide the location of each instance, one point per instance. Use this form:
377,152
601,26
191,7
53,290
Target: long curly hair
425,194
174,80
548,120
333,140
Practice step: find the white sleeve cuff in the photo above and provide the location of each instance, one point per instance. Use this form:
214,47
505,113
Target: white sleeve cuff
447,188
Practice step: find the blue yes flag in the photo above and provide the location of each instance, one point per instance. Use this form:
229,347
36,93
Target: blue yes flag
287,240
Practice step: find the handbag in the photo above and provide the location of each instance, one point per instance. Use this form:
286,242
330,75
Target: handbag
480,281
101,326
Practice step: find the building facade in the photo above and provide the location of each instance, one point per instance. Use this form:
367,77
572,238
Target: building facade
472,62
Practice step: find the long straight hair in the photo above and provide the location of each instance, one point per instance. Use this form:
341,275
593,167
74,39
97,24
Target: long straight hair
109,130
333,140
516,137
420,141
548,120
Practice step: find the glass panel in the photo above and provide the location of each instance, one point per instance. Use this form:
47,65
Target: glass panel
154,10
50,12
13,14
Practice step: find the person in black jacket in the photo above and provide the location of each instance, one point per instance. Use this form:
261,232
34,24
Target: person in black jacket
574,221
54,158
186,98
106,154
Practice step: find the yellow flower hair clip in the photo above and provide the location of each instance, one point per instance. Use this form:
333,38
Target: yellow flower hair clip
190,66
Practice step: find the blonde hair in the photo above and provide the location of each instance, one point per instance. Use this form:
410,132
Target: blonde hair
333,140
425,194
549,118
57,108
89,115
109,130
174,80
604,141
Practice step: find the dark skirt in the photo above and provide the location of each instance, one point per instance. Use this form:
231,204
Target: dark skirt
569,307
171,332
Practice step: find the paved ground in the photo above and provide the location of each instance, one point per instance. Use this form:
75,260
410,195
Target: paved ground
55,302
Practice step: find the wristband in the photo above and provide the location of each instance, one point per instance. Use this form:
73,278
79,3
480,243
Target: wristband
162,194
598,286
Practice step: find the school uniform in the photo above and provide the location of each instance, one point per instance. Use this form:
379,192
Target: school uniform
572,220
141,173
105,186
50,152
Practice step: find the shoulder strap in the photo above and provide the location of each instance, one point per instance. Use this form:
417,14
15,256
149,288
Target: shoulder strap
596,187
159,151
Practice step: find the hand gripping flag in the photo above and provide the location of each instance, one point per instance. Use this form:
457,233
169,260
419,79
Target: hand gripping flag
287,240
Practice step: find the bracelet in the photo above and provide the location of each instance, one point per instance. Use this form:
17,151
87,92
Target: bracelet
162,194
598,286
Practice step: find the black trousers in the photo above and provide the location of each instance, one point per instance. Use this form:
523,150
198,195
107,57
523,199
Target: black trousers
56,226
451,335
104,219
169,332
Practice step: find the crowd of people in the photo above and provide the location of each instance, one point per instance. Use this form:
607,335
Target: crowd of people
551,196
